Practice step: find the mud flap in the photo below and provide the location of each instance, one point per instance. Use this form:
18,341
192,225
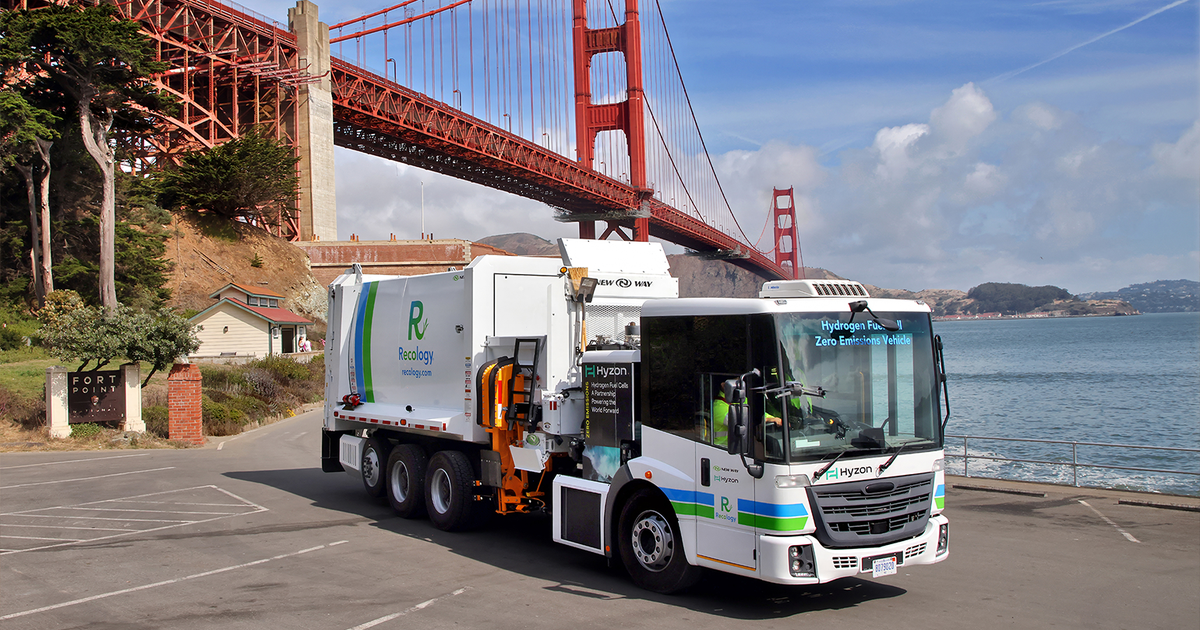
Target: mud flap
330,445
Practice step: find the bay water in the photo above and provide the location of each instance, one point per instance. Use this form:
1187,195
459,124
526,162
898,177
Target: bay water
1115,380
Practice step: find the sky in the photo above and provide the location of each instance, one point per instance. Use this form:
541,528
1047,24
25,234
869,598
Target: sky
930,143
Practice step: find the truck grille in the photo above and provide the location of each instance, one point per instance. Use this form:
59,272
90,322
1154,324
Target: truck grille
872,512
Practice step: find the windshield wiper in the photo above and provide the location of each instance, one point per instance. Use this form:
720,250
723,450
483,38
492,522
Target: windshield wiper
795,388
884,465
823,470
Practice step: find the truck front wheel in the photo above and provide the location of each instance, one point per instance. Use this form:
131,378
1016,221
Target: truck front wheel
651,547
406,480
450,491
374,457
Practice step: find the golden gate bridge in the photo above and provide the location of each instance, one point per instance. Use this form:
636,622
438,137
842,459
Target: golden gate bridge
577,104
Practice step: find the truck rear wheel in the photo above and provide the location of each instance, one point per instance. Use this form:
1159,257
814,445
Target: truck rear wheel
374,458
450,491
651,547
406,480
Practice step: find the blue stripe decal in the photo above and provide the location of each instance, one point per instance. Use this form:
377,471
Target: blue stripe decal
359,323
941,490
688,496
788,510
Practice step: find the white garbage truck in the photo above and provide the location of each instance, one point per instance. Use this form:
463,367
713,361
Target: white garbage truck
794,438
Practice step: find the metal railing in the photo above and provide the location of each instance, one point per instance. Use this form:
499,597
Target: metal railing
1075,464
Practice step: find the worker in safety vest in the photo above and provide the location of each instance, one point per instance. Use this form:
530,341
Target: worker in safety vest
720,414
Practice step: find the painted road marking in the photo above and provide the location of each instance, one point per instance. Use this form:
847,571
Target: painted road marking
73,461
43,483
175,508
1124,533
167,582
298,435
424,604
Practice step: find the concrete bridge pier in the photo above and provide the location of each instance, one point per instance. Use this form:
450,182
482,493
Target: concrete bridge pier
314,134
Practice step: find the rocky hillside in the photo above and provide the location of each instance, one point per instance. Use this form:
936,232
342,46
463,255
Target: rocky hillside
207,257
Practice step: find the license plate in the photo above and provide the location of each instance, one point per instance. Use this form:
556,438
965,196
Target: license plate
883,565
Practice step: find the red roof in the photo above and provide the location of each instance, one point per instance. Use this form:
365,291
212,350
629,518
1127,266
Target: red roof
272,315
275,315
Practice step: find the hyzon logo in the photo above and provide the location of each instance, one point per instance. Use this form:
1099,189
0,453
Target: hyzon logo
416,325
724,478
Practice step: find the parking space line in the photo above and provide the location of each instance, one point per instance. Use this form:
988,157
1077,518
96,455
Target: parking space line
74,461
75,521
424,604
184,503
99,518
108,529
43,483
41,538
150,511
92,598
1124,533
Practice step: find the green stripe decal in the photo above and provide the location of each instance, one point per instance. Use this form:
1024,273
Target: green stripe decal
940,502
771,522
692,509
369,392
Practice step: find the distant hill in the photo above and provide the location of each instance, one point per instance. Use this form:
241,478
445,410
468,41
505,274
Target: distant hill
1162,296
522,244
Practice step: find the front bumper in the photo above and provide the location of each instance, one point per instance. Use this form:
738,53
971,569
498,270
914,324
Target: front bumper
833,564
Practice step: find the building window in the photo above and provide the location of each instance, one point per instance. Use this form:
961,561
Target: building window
274,303
252,301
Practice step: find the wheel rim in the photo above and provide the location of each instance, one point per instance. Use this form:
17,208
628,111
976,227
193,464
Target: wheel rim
400,481
653,542
370,466
441,491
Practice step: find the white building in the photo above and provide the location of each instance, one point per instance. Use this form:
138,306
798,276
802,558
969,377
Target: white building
248,322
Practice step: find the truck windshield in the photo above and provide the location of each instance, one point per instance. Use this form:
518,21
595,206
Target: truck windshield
878,387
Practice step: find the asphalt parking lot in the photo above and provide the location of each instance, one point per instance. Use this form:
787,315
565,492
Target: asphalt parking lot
249,533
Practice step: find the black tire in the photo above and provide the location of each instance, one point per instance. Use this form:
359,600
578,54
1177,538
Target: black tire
374,460
405,480
450,492
651,547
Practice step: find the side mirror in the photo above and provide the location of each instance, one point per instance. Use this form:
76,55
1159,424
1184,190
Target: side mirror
735,426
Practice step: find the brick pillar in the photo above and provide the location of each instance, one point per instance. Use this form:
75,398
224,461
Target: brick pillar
183,403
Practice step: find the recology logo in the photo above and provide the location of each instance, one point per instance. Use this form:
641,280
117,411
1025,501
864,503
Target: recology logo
416,310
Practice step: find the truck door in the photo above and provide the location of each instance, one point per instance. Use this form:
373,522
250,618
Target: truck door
725,536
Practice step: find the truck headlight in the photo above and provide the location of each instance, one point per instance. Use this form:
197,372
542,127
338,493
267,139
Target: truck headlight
792,481
943,539
800,561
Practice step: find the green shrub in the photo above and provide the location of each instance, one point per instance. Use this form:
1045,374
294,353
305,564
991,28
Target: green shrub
220,419
251,406
85,430
281,367
10,339
222,378
157,419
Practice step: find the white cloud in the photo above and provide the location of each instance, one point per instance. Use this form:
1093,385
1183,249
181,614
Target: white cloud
1181,159
1041,115
966,115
